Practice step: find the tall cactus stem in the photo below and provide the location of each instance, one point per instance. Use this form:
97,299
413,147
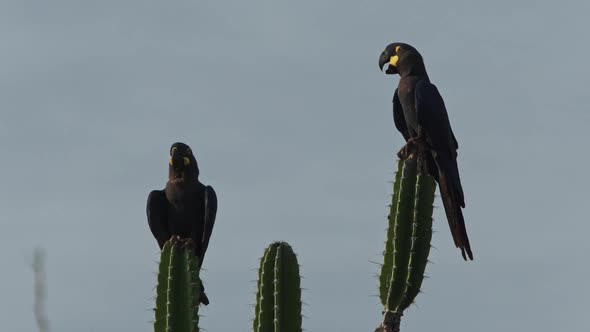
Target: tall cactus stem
422,234
402,241
408,238
278,299
178,289
387,267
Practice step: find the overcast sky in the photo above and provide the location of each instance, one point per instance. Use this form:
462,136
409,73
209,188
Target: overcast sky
290,120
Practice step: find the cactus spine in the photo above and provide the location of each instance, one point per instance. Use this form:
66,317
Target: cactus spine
408,237
278,299
178,289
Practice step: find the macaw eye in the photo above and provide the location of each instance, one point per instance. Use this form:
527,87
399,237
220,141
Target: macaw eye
173,150
189,151
397,48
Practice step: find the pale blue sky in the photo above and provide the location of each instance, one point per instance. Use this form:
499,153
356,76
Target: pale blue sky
291,122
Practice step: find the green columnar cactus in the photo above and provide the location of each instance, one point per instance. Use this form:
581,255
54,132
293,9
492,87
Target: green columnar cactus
387,266
421,236
178,289
402,237
278,299
408,238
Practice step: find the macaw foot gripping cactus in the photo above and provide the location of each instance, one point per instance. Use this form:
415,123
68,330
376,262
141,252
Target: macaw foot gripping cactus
408,240
278,300
178,289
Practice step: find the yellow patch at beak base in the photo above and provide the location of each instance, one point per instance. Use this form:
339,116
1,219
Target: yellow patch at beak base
393,60
170,160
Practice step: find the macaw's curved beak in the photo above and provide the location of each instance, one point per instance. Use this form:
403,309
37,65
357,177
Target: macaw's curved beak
383,60
386,58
